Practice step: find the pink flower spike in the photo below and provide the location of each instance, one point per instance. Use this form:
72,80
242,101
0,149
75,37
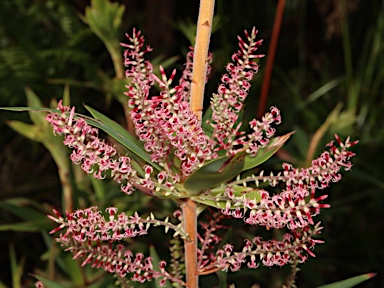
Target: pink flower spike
177,146
56,213
57,229
172,76
338,139
353,143
71,116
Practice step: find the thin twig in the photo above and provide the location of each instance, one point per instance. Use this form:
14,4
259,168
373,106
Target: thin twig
271,58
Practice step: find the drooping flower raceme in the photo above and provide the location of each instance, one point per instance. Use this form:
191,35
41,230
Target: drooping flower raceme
187,151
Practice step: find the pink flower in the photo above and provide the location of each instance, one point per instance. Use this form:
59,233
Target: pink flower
175,140
96,156
165,122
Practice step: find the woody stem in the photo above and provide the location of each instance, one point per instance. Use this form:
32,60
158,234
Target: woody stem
189,207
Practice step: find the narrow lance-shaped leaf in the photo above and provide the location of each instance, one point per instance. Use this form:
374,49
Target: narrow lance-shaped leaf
21,227
104,123
16,207
16,268
27,130
117,132
48,283
214,173
267,152
34,109
351,282
34,101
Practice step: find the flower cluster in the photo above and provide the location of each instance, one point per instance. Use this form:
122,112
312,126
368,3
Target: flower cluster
99,158
297,204
294,208
270,252
233,90
89,225
171,133
176,142
95,156
86,230
164,123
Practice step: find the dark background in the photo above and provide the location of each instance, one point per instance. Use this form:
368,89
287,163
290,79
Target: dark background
44,45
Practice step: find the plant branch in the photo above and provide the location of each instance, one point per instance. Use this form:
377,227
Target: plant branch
271,57
190,245
200,58
203,33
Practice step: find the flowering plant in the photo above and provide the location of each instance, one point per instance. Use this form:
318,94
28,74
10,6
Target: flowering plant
186,163
197,164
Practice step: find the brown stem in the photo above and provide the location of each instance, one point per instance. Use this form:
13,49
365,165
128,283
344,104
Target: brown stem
189,207
190,245
271,58
203,34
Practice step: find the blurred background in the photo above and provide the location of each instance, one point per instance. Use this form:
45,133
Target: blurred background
327,78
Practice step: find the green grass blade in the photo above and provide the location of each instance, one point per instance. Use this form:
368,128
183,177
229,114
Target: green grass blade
351,282
20,227
33,109
16,269
320,92
49,283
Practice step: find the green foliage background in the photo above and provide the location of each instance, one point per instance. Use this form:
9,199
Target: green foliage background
329,53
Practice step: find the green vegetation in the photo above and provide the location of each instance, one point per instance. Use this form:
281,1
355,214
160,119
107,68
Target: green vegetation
327,79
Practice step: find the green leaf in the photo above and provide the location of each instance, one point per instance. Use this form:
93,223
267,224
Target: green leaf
74,270
207,128
26,213
34,109
117,132
301,142
351,282
104,123
30,131
323,90
66,96
20,227
49,283
34,101
16,268
104,18
214,173
267,152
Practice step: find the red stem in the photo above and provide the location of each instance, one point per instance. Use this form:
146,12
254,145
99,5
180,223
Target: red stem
271,58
